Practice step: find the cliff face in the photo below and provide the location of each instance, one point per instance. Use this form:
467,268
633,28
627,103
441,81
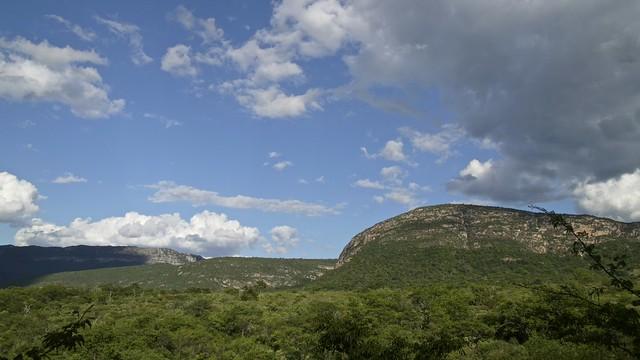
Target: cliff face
163,256
22,264
473,227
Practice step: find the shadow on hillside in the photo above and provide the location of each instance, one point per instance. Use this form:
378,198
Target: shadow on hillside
21,266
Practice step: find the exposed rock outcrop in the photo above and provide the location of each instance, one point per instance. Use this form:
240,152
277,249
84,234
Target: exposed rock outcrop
473,226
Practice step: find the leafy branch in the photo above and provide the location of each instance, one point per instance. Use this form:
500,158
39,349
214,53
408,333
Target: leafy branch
581,247
67,337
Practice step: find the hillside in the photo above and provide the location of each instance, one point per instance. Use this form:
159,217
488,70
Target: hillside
435,244
461,243
19,265
217,273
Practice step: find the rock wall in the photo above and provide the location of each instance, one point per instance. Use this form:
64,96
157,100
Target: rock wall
473,226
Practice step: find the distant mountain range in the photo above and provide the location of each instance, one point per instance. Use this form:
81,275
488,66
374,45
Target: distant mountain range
442,243
21,265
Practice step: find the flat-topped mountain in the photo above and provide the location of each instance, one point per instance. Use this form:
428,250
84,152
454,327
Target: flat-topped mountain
22,264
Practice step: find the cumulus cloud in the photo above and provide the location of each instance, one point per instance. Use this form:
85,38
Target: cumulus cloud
80,32
272,57
298,31
206,233
43,72
69,178
618,197
283,238
477,169
393,150
132,34
557,98
17,199
177,61
272,101
167,191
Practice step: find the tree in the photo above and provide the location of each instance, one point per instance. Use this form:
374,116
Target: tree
68,337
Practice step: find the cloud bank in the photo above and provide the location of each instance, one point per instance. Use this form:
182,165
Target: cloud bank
206,233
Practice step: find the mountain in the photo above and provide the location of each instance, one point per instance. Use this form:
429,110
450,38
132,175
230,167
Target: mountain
451,243
442,243
216,273
20,265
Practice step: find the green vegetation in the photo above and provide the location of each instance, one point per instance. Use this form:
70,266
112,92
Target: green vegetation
438,322
215,273
411,293
407,263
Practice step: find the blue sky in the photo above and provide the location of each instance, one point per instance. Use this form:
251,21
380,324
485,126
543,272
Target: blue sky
284,128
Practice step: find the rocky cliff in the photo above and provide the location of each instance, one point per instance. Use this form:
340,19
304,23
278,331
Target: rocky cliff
474,227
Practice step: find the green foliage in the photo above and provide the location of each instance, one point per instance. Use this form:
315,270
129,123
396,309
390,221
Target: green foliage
217,273
434,322
68,337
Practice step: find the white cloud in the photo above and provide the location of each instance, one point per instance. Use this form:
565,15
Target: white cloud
206,233
206,29
393,150
167,191
273,155
272,102
618,198
314,28
368,184
177,61
263,65
281,165
30,71
17,199
68,178
83,34
283,238
439,143
132,33
477,169
299,31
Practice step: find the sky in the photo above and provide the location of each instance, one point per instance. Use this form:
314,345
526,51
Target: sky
284,128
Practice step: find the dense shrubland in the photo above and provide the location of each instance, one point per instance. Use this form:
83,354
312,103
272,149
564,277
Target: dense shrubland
438,322
469,306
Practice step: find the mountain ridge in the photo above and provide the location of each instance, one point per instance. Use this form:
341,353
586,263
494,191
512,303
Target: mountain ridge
21,264
533,229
